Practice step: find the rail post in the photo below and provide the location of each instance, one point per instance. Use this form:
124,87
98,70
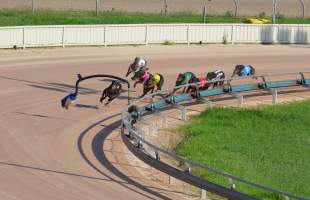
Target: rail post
274,10
239,97
204,14
274,94
97,7
188,31
166,6
233,27
203,194
24,37
33,6
163,117
236,7
146,34
302,3
151,126
63,36
183,111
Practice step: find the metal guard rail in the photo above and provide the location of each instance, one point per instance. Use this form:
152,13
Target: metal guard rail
138,148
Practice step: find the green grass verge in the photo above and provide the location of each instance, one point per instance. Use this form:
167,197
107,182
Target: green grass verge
269,145
49,17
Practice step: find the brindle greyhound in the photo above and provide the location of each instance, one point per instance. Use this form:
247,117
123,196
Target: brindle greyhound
112,91
149,81
243,70
215,75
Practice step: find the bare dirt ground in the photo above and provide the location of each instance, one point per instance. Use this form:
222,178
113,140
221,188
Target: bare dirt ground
246,7
50,153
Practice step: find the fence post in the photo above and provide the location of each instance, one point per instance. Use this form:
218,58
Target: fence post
232,34
302,7
33,6
204,14
24,37
274,11
63,36
146,34
166,6
278,34
188,34
236,7
105,36
97,7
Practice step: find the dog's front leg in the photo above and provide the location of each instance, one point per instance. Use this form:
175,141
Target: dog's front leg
145,91
104,95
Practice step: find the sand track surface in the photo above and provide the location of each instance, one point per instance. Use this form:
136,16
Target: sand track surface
50,153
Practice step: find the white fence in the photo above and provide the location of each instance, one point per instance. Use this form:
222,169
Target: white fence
68,35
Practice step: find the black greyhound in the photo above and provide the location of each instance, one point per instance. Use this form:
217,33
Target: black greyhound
189,77
149,81
243,70
184,79
213,76
138,64
112,91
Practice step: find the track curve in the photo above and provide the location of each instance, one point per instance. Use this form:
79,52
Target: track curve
49,153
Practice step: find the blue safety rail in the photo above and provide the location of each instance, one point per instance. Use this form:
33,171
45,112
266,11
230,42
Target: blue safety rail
213,92
279,84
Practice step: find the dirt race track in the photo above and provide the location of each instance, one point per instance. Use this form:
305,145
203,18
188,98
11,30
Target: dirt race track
246,7
50,153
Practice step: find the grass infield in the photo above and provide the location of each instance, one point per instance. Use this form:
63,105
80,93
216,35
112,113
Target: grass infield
269,145
49,17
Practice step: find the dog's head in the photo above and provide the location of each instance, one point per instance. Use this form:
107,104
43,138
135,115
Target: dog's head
237,71
135,65
138,75
132,109
181,80
210,76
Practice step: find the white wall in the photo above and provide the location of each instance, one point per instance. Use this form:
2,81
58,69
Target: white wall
68,35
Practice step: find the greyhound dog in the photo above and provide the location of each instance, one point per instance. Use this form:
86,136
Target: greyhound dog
148,80
201,86
243,70
112,91
215,75
138,64
184,79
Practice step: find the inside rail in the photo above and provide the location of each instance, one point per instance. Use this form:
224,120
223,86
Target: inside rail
168,99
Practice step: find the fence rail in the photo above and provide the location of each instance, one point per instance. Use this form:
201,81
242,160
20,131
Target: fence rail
70,35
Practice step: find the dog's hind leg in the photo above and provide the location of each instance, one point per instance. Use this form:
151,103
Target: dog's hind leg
111,99
160,83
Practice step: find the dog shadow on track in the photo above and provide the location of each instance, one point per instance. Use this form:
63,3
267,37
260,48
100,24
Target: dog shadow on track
100,154
58,87
96,107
